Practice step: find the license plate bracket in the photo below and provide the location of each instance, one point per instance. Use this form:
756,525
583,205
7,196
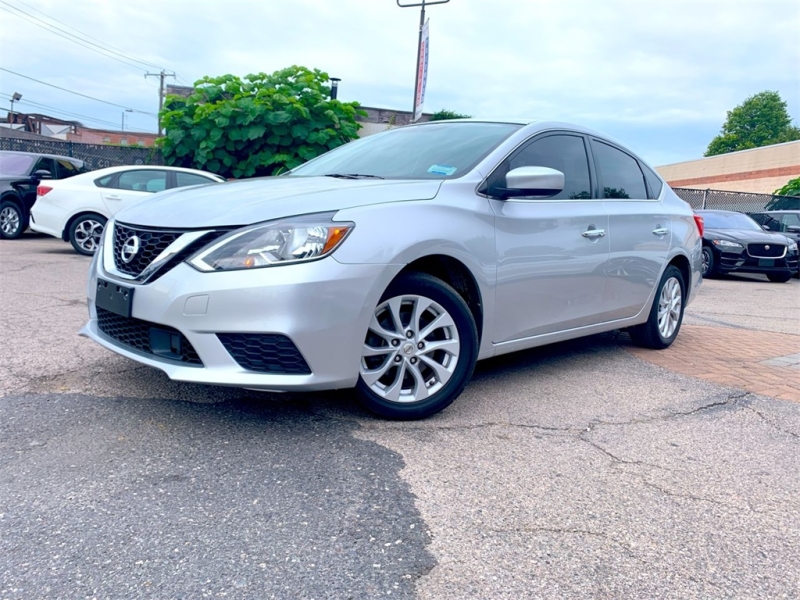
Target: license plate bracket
766,262
114,297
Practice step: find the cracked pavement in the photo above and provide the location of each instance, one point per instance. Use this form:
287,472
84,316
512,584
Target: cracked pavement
571,471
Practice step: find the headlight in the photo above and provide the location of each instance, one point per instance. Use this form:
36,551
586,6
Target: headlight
792,246
274,243
726,244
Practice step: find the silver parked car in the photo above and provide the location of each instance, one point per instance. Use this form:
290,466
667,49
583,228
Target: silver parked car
393,263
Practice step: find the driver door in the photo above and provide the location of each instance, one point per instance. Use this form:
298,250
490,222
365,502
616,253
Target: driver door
551,252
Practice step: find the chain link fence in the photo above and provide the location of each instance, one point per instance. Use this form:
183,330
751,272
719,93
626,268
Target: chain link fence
96,156
739,201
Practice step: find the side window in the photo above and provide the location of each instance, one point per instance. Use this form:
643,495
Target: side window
184,179
770,223
65,169
106,181
619,173
565,153
791,220
143,181
653,181
45,164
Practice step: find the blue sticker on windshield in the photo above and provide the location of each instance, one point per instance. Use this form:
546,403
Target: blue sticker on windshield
442,170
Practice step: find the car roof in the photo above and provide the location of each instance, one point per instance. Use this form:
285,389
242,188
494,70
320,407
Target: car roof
42,154
122,168
774,212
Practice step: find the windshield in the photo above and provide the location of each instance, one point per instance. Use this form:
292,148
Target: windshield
732,220
436,151
15,164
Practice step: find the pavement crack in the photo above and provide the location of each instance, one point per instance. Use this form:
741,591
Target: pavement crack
771,423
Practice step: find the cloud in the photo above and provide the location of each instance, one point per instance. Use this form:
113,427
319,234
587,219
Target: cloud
659,75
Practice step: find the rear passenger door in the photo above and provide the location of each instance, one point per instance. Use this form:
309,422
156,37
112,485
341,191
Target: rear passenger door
639,229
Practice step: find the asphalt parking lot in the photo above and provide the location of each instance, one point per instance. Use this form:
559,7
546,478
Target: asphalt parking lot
588,469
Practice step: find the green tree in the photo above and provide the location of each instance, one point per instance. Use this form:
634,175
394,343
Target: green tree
790,189
760,120
444,115
257,125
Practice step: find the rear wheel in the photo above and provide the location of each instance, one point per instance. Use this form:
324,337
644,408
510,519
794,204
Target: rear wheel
779,277
13,220
666,315
85,233
419,351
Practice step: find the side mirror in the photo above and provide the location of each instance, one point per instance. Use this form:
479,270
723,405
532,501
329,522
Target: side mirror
43,174
533,181
765,228
793,229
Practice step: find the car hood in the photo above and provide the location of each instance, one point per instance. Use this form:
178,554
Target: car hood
746,236
254,200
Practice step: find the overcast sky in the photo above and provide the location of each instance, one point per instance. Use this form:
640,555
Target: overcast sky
658,76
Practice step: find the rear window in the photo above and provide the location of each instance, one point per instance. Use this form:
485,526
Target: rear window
15,164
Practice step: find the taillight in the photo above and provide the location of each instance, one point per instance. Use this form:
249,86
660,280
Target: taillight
700,224
42,190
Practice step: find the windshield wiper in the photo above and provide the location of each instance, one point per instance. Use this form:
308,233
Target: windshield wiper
353,176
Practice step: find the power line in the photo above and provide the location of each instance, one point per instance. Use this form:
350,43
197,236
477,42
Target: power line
71,114
86,35
77,93
104,50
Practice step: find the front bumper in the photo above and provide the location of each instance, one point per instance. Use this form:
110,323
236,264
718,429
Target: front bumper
742,262
323,307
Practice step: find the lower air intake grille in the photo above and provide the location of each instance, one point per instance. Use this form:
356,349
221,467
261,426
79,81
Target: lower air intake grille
265,353
148,338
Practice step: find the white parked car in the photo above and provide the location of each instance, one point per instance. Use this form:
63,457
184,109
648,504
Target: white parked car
76,209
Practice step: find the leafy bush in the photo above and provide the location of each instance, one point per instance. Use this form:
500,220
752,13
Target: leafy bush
444,115
257,125
790,189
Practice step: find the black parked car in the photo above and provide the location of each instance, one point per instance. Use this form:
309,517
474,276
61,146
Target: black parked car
733,242
20,173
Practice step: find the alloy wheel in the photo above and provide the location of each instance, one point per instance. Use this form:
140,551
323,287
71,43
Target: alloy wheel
411,349
9,221
669,307
87,234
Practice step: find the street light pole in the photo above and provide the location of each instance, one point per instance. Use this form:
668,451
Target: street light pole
15,98
422,6
123,117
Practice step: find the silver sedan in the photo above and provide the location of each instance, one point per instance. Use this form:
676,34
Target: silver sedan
392,264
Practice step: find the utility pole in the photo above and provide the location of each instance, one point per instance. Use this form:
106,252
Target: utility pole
161,76
417,81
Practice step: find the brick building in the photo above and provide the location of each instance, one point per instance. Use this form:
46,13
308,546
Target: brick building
759,170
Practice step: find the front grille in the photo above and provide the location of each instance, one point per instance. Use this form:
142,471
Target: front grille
265,353
159,341
151,244
766,250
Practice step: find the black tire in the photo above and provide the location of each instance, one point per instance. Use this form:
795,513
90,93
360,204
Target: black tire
648,334
13,220
400,360
709,263
85,233
779,277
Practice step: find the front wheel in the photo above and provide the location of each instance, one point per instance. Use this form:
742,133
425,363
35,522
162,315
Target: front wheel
13,220
419,351
709,268
666,315
779,277
85,233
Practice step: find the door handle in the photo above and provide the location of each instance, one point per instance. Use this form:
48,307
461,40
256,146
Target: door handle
113,197
594,233
661,231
